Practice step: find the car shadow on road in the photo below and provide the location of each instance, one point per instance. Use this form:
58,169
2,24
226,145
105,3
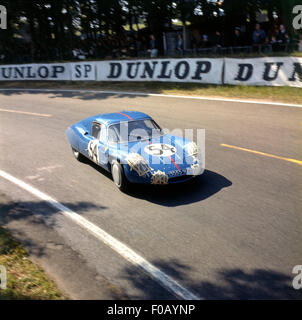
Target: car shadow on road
229,283
173,195
195,190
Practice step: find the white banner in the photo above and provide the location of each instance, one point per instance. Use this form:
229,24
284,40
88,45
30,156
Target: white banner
269,71
47,71
168,70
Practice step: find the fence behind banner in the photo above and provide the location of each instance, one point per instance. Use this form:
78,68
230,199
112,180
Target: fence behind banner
269,71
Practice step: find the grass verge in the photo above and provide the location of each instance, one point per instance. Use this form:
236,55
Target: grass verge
25,280
275,94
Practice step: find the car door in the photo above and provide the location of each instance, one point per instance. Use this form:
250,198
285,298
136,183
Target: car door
96,145
103,146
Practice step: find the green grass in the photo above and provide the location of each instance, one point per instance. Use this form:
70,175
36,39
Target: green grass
265,93
25,280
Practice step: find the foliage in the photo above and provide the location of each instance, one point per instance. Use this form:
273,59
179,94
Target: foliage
57,26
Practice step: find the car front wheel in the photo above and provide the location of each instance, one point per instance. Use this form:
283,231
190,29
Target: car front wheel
118,176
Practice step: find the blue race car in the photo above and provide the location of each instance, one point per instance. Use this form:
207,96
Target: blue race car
133,147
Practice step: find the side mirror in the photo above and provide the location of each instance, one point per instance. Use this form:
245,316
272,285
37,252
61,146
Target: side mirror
85,133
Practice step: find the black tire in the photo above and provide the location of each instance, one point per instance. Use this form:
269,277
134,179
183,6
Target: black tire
77,155
118,176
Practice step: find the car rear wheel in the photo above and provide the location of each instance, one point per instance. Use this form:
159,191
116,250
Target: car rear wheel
77,155
118,176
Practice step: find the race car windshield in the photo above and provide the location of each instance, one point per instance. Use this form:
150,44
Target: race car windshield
133,131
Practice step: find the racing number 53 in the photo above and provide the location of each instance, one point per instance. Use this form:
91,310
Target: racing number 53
159,149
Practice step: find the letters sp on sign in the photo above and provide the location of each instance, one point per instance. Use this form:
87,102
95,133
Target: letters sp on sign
2,277
3,17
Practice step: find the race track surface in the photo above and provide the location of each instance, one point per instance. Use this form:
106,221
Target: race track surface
234,232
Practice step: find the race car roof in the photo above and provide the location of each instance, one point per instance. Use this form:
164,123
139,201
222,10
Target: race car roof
110,118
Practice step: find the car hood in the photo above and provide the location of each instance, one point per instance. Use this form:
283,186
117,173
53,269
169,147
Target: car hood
165,153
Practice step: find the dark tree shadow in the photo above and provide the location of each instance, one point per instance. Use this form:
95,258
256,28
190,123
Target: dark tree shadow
37,213
230,284
89,90
86,94
33,225
256,284
40,210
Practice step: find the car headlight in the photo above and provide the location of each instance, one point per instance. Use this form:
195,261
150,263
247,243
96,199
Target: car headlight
192,149
137,163
194,160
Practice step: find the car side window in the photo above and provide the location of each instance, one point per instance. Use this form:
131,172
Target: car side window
112,134
96,130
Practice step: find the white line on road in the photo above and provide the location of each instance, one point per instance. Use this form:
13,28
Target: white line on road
27,113
127,253
159,95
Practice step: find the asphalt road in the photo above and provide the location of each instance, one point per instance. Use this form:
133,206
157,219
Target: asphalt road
234,232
